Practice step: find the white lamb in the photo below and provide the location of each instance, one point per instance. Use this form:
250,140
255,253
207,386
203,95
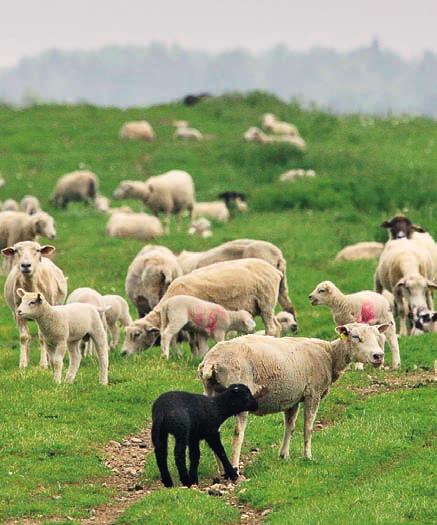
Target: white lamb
63,327
361,307
184,132
116,314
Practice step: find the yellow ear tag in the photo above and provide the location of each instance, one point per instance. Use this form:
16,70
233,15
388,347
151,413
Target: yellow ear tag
343,336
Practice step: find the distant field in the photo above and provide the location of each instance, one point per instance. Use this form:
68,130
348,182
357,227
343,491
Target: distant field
374,457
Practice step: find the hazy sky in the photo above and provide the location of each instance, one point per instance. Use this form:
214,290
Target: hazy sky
30,26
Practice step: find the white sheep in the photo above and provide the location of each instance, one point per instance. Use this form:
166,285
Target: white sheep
19,226
271,123
170,193
139,226
10,205
137,129
63,327
215,210
360,307
30,205
76,186
200,227
254,134
360,250
206,318
33,272
184,132
102,203
116,314
292,175
284,372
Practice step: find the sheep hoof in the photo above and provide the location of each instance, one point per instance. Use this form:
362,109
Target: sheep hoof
284,456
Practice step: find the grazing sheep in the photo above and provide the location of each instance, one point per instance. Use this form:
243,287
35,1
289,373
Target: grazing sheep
10,205
200,227
215,210
286,371
75,186
170,193
30,205
139,226
206,318
19,226
360,250
184,132
149,275
63,327
116,314
191,418
102,203
406,269
271,123
361,307
242,249
139,129
33,272
292,175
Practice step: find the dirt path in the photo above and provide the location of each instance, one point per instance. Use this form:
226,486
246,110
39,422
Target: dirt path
390,383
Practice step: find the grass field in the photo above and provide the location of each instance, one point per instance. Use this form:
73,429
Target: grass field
374,460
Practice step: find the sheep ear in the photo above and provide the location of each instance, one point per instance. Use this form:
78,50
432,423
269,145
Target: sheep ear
431,284
342,331
47,249
383,327
386,224
20,292
418,228
8,252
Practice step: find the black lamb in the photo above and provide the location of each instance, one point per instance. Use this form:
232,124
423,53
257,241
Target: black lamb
191,418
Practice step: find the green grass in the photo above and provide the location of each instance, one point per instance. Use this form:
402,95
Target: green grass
373,464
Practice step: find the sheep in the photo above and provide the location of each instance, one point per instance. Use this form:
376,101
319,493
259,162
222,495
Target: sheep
137,129
117,314
139,226
401,227
241,249
271,123
75,186
254,134
10,205
33,272
286,321
89,296
296,141
184,132
209,319
424,321
191,418
360,307
216,210
191,100
63,327
200,227
30,205
286,371
360,250
170,193
19,226
292,175
149,275
406,269
246,284
102,203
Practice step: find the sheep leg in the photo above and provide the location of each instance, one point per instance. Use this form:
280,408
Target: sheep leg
166,221
100,341
393,342
167,336
202,345
311,405
57,359
290,417
43,362
75,356
180,460
272,326
160,443
115,336
194,462
178,220
215,443
24,342
237,440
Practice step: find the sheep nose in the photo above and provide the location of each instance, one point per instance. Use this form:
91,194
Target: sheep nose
310,296
25,267
377,357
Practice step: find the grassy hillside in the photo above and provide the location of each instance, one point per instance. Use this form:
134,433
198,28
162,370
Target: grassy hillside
372,461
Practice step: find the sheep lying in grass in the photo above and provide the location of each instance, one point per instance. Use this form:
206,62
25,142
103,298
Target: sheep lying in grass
10,205
283,372
186,133
361,307
137,129
200,227
33,272
63,327
206,318
139,226
79,186
191,418
360,250
271,123
215,210
116,314
30,205
292,175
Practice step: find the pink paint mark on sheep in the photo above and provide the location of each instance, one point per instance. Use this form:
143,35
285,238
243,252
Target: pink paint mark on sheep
207,322
366,314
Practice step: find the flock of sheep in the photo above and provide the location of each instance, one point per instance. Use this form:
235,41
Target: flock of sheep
213,294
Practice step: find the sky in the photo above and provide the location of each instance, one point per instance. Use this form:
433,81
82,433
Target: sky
28,27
